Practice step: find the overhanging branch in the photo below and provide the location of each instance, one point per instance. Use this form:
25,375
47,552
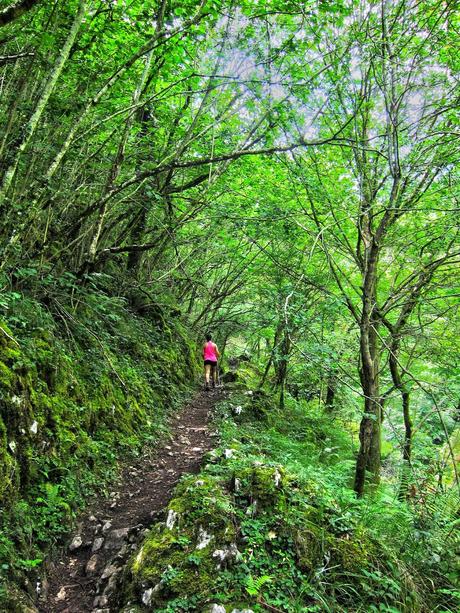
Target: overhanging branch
15,10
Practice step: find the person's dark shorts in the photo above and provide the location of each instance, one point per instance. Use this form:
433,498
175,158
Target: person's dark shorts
213,366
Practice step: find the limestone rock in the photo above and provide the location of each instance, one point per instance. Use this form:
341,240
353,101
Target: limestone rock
204,538
115,538
61,595
109,570
76,543
111,585
147,596
97,544
217,608
171,519
91,565
227,556
251,511
100,601
120,534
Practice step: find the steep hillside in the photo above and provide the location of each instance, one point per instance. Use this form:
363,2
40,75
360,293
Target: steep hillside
83,383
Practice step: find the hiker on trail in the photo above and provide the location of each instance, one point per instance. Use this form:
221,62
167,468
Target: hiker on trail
210,357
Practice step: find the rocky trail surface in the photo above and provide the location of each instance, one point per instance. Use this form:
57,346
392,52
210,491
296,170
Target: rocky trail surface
83,580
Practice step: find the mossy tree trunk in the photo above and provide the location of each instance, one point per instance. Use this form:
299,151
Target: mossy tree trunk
48,89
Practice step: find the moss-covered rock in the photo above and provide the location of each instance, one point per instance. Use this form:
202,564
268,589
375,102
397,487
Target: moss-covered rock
246,530
8,478
179,556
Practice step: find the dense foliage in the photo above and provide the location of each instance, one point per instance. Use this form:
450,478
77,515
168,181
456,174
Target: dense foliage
284,173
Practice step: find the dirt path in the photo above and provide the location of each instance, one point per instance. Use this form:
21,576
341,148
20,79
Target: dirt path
106,536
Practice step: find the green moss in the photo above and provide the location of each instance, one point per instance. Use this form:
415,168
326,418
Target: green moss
265,484
8,474
13,600
73,405
7,377
308,547
10,354
288,536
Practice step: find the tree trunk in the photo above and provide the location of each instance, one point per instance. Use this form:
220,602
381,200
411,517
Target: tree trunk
281,366
369,434
405,397
137,232
41,104
331,389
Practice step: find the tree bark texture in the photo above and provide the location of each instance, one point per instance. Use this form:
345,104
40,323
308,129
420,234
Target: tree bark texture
369,435
48,89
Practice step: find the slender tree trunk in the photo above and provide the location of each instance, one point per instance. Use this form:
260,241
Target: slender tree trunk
331,389
192,299
281,366
369,435
118,161
137,232
271,359
48,89
405,398
407,449
266,371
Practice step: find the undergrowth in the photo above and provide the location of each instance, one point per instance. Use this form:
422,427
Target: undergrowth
285,531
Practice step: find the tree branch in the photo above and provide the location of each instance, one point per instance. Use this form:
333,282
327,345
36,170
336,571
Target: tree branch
14,11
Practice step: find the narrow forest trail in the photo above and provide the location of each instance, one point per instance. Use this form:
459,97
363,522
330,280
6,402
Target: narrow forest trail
83,579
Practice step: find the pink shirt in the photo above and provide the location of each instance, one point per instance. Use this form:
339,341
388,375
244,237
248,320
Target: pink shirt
209,352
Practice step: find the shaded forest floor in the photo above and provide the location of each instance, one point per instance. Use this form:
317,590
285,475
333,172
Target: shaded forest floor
83,579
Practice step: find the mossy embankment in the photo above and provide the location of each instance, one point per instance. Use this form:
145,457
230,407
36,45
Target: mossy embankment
82,383
271,523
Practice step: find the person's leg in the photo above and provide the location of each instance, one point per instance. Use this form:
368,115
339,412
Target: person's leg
214,374
207,372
